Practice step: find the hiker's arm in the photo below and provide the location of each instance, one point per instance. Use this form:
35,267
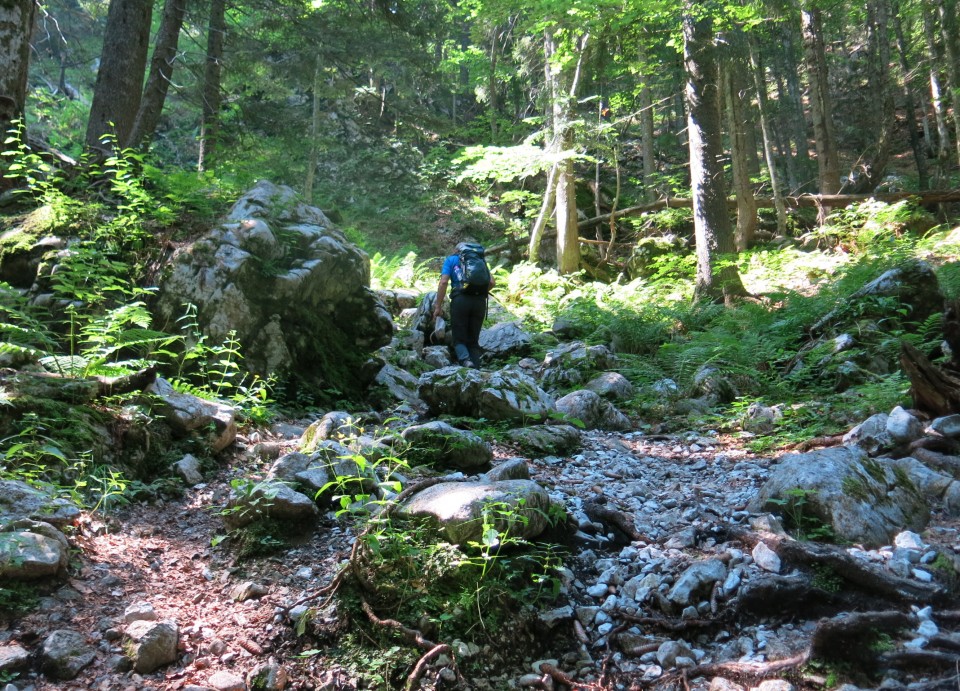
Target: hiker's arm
441,294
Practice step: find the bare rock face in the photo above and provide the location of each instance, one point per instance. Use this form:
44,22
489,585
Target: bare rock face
288,285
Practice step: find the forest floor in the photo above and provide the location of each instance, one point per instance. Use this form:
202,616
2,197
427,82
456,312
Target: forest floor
162,553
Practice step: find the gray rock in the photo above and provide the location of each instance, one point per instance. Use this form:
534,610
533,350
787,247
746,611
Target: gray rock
948,426
507,394
226,681
188,468
20,500
860,498
287,283
337,425
330,461
401,384
903,427
439,444
669,651
766,558
436,357
611,385
64,653
521,510
188,415
931,484
696,581
510,469
139,611
267,676
13,657
870,435
153,644
271,499
506,339
30,550
546,440
248,590
593,411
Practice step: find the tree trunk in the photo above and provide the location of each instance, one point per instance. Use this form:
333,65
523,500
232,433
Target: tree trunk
734,92
910,104
760,84
934,60
123,60
947,10
562,89
647,132
546,211
16,27
828,163
799,165
314,155
210,117
881,88
717,276
161,69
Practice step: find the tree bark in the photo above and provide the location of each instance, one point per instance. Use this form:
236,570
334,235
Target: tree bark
314,154
947,10
123,60
760,84
16,27
799,165
546,211
161,69
828,163
934,59
210,117
734,93
910,104
647,132
881,86
717,277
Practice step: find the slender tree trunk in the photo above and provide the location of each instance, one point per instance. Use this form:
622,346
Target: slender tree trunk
760,84
947,10
647,131
717,276
546,211
799,165
16,27
936,97
562,92
314,136
910,104
828,162
493,105
736,125
161,69
210,116
123,60
881,88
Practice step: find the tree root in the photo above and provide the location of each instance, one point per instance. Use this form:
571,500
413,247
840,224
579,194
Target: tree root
421,667
743,671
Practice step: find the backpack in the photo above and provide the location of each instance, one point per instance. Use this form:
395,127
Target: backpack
476,273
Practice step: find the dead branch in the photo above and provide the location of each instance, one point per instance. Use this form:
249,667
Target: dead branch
410,635
816,442
667,624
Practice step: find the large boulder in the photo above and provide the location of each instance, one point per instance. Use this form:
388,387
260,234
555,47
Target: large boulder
519,508
507,394
187,414
594,412
546,440
859,498
504,340
288,285
31,550
441,445
20,500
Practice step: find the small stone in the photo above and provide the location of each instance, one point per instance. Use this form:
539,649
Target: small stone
766,558
226,681
598,590
922,576
909,540
139,611
928,629
248,590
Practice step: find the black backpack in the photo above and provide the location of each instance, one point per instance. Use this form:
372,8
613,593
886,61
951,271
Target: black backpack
476,273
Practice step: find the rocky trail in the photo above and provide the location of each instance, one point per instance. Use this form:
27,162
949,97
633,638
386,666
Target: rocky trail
672,583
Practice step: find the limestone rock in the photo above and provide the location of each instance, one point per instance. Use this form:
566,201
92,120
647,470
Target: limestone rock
507,394
593,411
187,414
858,497
546,440
441,445
696,581
20,500
153,644
522,508
30,550
271,499
64,653
506,339
611,385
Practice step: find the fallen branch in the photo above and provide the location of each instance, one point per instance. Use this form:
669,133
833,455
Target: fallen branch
745,671
411,635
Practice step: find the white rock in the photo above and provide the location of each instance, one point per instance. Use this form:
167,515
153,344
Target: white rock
909,540
766,558
927,629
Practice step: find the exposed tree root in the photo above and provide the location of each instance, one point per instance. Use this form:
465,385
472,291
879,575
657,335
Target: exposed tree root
851,636
563,678
618,520
744,671
816,443
421,667
920,658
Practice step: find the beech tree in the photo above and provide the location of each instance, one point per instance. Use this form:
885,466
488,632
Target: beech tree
123,60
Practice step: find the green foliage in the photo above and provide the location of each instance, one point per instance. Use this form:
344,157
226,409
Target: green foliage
796,512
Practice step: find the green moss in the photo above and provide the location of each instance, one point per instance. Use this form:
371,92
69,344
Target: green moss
856,487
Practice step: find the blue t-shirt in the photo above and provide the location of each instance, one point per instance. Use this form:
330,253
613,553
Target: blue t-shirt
453,269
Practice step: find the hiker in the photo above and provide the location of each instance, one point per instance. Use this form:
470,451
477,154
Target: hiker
470,279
